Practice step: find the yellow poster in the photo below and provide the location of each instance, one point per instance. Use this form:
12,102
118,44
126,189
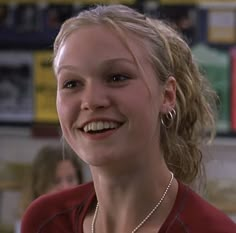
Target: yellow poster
45,88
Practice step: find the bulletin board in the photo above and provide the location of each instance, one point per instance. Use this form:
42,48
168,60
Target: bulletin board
16,85
45,88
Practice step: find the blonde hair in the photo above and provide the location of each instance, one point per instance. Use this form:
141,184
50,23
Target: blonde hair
170,55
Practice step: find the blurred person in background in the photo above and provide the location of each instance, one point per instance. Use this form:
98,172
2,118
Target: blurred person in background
53,169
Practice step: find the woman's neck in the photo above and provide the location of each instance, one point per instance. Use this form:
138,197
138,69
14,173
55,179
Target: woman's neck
125,199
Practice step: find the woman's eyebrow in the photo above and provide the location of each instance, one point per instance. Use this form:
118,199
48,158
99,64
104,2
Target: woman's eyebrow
105,63
67,67
117,61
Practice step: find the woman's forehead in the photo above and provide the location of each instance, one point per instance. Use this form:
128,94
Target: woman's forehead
107,42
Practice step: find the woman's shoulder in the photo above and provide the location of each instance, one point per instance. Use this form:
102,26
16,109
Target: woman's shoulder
51,207
199,214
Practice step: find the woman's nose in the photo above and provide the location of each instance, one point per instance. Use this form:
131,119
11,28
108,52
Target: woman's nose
95,97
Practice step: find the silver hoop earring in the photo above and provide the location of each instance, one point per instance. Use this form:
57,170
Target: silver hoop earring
167,120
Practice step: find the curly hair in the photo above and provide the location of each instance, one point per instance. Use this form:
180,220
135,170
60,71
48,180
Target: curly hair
170,55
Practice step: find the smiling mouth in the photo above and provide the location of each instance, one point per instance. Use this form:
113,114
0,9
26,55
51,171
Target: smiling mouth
97,127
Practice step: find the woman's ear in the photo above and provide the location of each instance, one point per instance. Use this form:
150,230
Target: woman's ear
169,95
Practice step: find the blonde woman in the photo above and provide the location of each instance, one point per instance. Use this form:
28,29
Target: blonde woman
133,105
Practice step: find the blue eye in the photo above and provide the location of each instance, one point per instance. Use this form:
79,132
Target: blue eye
71,84
118,78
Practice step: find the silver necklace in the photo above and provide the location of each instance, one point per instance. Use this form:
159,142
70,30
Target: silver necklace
146,218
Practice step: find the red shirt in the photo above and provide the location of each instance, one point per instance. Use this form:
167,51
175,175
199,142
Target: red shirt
64,212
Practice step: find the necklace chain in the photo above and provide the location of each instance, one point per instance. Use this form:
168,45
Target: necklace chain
146,218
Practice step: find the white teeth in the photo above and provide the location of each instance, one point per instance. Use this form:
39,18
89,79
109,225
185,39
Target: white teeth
100,125
93,126
86,129
106,125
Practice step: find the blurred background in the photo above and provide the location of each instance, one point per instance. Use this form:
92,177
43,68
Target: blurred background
28,118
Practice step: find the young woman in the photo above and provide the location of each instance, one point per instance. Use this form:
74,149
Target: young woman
133,105
52,170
